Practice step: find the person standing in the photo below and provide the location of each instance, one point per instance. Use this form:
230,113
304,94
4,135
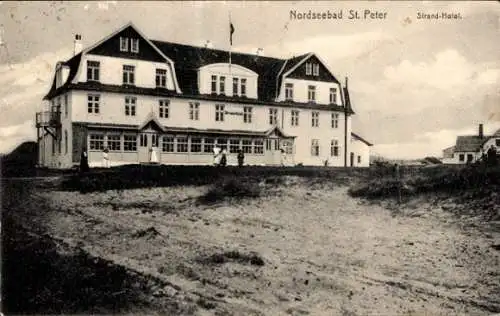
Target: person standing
84,161
241,157
154,157
217,157
492,156
105,157
223,159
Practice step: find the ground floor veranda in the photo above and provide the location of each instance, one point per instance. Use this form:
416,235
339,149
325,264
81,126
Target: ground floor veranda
155,144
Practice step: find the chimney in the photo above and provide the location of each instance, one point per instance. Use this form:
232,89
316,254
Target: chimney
77,47
346,79
481,133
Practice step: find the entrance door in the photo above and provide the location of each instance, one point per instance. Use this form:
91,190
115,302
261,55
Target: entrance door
352,159
273,152
144,145
148,142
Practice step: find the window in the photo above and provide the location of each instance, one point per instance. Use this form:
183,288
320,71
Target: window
65,141
243,87
295,118
130,142
134,45
311,93
219,112
333,95
289,91
315,147
222,85
214,84
96,142
196,145
235,86
93,103
65,105
123,44
247,114
308,69
497,142
359,159
114,142
234,145
221,142
258,146
469,157
143,140
194,111
161,78
334,148
273,116
315,119
59,142
182,144
247,146
461,157
335,120
163,108
316,70
130,103
208,145
93,70
168,144
128,74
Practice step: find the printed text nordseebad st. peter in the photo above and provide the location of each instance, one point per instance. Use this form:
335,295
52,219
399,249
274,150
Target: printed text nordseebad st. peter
337,15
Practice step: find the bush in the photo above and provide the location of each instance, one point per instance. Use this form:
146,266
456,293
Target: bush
231,188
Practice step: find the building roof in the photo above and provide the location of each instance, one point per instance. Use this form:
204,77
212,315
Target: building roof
356,136
469,143
188,59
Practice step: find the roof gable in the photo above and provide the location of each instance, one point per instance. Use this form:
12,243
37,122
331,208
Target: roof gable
111,46
469,143
152,122
298,71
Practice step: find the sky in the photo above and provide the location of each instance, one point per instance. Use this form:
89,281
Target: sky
415,84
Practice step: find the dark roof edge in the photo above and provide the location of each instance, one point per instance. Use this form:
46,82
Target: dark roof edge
361,139
205,97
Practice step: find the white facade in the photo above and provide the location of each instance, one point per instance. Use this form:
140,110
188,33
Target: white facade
316,128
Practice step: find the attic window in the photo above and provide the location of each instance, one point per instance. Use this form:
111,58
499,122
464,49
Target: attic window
316,70
308,69
124,44
134,45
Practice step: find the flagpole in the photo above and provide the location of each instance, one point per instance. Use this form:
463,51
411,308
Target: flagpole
230,40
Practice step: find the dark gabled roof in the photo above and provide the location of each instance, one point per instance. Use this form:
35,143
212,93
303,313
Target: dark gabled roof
72,63
469,143
361,139
188,59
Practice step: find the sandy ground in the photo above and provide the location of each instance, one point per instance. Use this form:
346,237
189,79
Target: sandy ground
324,253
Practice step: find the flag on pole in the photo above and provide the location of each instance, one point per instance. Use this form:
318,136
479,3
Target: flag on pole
231,27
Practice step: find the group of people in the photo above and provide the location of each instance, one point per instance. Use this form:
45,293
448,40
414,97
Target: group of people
84,159
490,157
220,157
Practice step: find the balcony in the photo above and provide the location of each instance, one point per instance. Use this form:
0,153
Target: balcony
48,119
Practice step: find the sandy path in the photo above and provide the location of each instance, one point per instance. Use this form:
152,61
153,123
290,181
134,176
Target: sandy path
324,252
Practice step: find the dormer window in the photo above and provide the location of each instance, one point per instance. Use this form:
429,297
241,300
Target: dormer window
308,69
316,70
123,44
222,85
134,45
214,84
161,78
333,95
289,91
93,70
243,90
235,86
